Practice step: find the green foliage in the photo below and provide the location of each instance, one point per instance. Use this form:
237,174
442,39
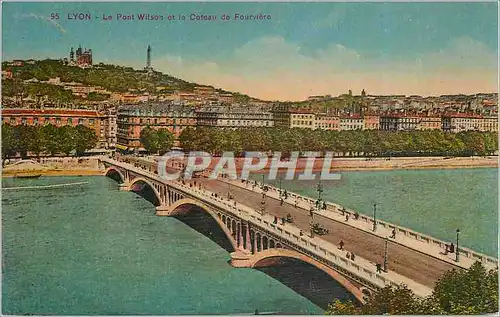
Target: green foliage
342,308
8,141
84,139
94,96
155,141
50,135
467,292
113,78
24,139
188,138
457,292
393,301
165,140
349,143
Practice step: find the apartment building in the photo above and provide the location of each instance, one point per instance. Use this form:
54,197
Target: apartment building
131,119
234,117
351,122
92,119
302,118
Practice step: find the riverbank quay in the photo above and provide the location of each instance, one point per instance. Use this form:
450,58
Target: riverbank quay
393,233
55,166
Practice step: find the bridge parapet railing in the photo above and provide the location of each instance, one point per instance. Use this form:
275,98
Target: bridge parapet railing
409,233
331,256
421,237
323,251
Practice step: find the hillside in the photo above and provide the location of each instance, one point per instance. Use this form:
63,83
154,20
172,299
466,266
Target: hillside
112,78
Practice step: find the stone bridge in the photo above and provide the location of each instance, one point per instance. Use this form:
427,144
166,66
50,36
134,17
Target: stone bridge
255,239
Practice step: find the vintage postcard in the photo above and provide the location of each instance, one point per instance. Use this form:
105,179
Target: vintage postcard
252,158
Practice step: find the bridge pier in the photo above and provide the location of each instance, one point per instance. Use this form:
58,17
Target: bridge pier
162,211
240,259
124,186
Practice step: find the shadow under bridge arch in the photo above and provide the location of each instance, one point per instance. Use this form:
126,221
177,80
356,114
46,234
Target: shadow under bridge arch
115,174
144,188
203,219
306,276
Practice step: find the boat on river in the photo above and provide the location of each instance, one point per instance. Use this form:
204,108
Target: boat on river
27,176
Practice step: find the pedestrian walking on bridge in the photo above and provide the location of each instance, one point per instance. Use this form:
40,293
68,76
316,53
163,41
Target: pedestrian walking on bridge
341,245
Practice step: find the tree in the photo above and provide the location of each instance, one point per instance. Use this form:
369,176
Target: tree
36,142
149,140
49,133
23,139
458,292
340,308
85,139
187,139
467,292
165,140
66,136
8,141
399,300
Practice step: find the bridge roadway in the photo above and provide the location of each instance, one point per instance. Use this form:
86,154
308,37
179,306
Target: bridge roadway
420,267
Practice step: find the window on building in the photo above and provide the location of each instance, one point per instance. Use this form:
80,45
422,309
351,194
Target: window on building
80,121
23,120
91,121
70,121
58,120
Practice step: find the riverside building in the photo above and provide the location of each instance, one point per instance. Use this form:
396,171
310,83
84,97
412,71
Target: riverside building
92,119
131,119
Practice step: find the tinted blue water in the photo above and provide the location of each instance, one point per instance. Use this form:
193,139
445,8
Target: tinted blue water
432,201
92,249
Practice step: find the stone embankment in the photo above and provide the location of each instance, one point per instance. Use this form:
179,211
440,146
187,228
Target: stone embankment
54,166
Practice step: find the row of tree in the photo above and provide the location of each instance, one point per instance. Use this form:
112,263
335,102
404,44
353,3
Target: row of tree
457,292
49,139
349,143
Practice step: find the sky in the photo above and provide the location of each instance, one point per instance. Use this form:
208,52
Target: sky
303,49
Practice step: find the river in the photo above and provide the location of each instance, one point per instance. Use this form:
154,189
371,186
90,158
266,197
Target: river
432,201
91,249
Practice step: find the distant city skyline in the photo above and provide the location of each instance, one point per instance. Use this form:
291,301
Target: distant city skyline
304,49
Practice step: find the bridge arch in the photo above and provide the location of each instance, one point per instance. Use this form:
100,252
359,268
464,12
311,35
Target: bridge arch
176,209
110,170
280,253
150,185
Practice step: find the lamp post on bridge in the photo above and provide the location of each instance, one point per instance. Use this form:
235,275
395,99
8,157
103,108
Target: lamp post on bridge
263,203
320,191
456,249
374,217
385,254
280,186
